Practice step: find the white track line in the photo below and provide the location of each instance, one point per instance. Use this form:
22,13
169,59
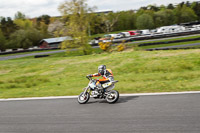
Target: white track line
161,93
71,97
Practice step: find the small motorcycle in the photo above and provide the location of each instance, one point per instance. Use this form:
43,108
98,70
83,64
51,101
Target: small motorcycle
109,94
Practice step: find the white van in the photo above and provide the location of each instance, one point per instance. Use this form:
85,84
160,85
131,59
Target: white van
197,27
164,29
145,32
176,28
171,29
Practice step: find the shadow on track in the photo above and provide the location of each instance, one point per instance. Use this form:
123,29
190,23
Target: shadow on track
122,99
125,99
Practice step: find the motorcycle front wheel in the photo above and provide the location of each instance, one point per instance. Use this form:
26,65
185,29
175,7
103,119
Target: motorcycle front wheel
82,99
112,96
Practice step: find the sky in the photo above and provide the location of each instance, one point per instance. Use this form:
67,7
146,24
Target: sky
36,8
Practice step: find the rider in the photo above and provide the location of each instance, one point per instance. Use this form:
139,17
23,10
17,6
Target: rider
105,73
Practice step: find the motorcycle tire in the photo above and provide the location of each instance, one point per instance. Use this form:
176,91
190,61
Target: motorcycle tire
112,96
83,99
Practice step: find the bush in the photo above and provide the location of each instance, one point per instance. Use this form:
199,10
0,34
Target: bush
121,47
105,46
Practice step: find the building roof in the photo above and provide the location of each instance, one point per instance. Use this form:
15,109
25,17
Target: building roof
56,40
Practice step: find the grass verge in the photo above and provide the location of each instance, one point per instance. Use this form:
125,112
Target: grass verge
137,71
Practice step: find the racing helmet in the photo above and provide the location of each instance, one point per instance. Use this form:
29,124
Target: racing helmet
102,69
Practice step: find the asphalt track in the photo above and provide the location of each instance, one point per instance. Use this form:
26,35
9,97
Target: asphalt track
33,54
177,46
132,114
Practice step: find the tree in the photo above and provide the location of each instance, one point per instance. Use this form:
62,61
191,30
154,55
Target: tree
44,18
126,21
2,41
145,21
23,23
20,15
95,24
44,29
108,21
164,17
196,7
153,8
77,14
188,4
57,28
182,4
187,15
25,38
170,6
7,26
184,14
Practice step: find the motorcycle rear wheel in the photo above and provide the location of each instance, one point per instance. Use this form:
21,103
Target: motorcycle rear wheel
112,96
83,99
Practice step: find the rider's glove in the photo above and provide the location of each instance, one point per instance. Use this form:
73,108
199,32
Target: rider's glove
90,75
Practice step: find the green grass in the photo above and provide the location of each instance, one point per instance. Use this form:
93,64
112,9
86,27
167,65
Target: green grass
137,72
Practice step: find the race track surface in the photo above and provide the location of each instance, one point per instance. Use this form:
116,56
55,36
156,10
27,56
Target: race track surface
133,114
32,54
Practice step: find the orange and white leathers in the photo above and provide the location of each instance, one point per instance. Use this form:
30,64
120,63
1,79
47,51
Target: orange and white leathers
107,77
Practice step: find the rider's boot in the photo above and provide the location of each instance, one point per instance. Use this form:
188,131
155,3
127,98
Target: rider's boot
100,89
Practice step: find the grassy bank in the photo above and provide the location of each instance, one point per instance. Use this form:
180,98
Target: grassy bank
137,71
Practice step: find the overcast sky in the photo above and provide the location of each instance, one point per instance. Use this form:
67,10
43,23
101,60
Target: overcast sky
35,8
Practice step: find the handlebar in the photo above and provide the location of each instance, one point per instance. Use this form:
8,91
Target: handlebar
88,77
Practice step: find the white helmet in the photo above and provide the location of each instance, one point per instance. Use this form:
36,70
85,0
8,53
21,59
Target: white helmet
102,69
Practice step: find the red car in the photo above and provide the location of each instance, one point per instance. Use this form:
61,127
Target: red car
134,33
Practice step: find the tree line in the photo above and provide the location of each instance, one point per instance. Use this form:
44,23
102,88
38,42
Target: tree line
23,32
149,17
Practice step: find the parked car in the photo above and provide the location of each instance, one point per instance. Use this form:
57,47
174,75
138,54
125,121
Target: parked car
125,34
134,33
106,37
116,36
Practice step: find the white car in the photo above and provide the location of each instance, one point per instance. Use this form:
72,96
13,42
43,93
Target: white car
125,34
116,36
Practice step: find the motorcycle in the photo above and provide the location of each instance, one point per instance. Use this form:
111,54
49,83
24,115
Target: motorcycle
108,93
